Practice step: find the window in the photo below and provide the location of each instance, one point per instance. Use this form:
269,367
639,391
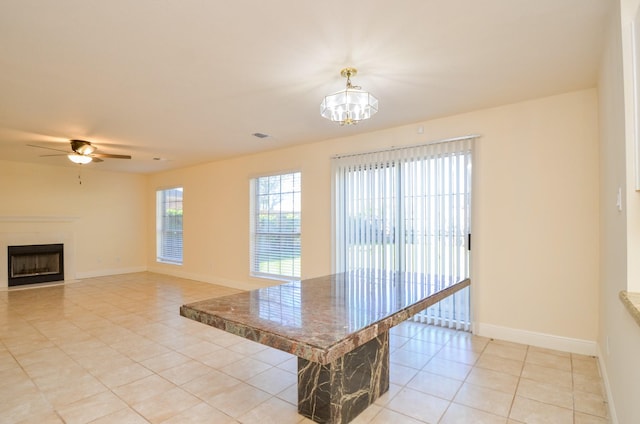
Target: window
169,225
407,210
275,226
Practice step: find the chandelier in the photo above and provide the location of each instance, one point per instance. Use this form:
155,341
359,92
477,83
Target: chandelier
351,105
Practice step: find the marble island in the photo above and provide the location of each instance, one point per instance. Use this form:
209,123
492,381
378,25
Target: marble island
338,327
631,301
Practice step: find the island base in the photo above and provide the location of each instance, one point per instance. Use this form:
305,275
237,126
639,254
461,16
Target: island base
337,392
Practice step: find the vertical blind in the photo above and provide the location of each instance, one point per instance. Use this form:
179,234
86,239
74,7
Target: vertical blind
408,210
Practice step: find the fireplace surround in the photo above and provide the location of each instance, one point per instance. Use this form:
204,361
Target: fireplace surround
23,230
32,264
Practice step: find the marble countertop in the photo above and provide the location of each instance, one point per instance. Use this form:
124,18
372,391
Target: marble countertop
632,302
321,319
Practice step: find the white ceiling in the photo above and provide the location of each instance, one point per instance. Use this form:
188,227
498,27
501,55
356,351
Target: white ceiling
189,81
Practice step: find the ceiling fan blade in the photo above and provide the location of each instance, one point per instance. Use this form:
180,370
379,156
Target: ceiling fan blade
107,155
96,159
48,148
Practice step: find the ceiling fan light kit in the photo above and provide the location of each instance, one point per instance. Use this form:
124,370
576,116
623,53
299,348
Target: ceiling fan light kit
79,159
351,105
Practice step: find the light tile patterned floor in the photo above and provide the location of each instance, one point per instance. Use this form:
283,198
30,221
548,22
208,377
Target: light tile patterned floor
115,350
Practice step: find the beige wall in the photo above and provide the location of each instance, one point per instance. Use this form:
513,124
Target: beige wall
619,335
535,212
104,219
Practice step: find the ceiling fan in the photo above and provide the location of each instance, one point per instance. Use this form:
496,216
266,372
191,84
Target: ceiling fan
83,152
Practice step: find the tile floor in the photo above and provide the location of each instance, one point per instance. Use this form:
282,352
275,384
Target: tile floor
115,350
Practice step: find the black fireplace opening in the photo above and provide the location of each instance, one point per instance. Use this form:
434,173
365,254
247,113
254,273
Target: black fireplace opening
39,263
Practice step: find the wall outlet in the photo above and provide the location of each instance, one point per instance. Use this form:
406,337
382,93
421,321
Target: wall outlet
619,199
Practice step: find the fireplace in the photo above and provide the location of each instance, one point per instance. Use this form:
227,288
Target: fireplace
39,263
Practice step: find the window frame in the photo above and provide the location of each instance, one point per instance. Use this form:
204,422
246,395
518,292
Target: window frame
256,233
161,226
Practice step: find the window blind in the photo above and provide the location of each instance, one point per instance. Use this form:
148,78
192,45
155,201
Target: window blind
169,225
275,223
408,210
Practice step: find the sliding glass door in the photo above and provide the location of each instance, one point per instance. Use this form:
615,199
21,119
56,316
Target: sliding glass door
408,210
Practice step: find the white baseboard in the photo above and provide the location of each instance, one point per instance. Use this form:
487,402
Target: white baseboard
547,341
607,386
107,272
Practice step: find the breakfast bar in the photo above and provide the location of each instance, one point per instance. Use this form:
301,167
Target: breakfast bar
337,326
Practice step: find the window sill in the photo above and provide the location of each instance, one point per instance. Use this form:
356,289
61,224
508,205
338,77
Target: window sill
279,278
632,302
164,261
